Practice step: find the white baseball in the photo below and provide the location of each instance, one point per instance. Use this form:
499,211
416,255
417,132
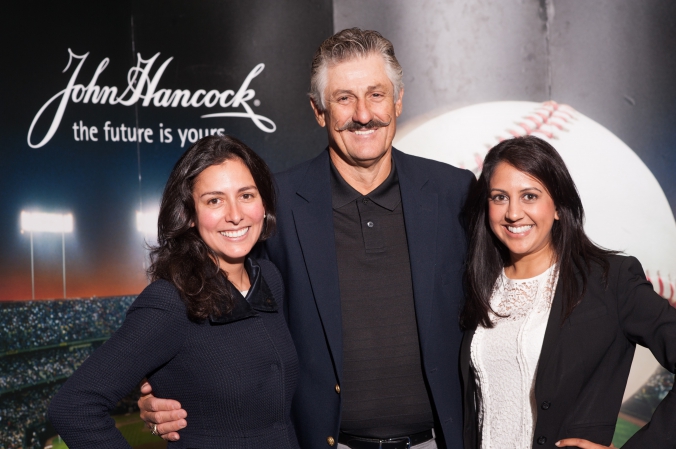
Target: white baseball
625,206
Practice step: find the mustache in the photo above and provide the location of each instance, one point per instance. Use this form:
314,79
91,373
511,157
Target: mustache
372,124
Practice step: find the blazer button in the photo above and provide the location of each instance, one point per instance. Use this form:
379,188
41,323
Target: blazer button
337,388
545,405
542,440
331,441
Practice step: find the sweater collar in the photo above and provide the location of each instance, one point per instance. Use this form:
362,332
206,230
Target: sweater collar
258,299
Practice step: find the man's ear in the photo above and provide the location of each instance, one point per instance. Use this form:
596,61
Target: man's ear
398,105
319,115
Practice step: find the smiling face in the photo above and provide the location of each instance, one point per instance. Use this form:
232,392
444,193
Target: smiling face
521,214
229,212
361,110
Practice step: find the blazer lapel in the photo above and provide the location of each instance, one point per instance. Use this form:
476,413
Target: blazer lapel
313,218
551,335
420,208
465,353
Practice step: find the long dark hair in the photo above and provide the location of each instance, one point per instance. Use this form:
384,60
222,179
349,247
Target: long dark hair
181,256
487,256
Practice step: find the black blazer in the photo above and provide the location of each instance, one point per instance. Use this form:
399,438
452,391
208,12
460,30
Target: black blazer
584,363
235,375
304,250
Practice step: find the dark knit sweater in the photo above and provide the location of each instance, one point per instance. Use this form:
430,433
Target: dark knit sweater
235,376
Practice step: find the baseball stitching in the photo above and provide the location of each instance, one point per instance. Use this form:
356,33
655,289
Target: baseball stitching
549,120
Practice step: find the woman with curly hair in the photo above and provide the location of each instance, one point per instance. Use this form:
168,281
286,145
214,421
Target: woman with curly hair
213,316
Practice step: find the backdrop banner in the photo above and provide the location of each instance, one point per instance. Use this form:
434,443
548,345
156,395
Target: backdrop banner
99,100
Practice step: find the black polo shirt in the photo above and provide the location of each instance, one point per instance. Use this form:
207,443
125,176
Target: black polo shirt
384,393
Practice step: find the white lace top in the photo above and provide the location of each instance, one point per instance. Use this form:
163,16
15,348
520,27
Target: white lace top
505,359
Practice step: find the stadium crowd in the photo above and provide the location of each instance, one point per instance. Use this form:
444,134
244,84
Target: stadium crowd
33,324
19,411
29,379
31,368
644,402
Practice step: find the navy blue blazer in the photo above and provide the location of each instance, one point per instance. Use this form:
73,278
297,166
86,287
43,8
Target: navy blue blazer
235,375
303,249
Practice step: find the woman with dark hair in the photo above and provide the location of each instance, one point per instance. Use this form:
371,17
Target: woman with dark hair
213,315
551,320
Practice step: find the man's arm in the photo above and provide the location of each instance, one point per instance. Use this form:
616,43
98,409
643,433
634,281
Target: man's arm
167,414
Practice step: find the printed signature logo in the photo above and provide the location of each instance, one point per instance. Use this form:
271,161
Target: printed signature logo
142,88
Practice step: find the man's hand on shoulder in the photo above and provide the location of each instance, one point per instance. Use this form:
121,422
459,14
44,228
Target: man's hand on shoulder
164,417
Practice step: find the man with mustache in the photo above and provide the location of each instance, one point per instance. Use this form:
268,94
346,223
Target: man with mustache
371,247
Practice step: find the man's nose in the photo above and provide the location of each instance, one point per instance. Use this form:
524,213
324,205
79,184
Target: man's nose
362,111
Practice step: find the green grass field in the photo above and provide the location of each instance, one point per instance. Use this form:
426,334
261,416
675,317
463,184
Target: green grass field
623,431
131,426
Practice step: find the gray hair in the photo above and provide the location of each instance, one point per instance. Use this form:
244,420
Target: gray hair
346,45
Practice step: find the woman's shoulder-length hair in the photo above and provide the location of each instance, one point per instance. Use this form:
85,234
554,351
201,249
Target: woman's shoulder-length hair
181,256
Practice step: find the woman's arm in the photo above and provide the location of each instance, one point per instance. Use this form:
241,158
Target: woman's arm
152,333
582,444
649,320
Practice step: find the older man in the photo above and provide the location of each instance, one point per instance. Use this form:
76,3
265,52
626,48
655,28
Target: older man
371,247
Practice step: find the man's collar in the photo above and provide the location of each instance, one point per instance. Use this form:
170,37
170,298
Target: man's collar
385,195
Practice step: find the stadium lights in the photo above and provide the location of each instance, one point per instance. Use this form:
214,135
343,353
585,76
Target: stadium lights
146,222
43,222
